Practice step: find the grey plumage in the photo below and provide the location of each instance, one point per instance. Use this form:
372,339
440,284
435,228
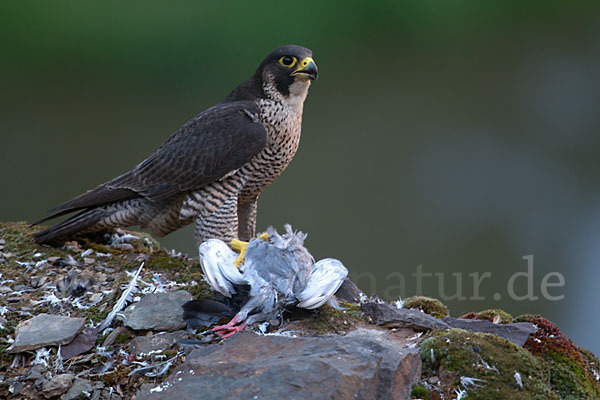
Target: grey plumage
280,273
213,168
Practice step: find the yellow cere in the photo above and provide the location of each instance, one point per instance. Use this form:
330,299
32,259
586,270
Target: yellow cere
304,63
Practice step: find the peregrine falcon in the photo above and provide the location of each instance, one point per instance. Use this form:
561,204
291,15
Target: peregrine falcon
210,171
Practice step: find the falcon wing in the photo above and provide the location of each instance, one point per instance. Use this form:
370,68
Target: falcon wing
217,141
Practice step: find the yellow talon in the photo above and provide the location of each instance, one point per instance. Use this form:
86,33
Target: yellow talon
241,247
238,245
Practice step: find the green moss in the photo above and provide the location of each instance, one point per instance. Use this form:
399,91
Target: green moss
350,306
418,391
568,378
170,353
4,355
201,290
326,319
590,359
428,305
93,314
123,338
455,353
494,315
161,261
19,242
526,318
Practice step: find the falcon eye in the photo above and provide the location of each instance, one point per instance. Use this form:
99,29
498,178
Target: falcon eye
287,61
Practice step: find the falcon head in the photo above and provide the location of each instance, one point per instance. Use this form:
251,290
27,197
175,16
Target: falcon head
285,75
289,64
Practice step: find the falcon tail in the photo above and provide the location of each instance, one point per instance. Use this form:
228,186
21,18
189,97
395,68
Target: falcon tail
75,224
90,204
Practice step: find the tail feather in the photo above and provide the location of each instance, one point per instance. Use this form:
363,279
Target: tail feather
75,224
58,214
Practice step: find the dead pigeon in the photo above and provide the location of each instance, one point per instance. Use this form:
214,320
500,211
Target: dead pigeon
279,271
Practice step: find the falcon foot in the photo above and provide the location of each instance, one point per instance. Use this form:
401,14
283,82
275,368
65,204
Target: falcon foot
241,247
229,329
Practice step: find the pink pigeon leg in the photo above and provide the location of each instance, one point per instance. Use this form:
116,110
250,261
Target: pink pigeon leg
229,329
232,331
227,326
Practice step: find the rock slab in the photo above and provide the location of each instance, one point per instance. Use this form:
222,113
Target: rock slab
142,345
517,332
82,343
361,365
158,311
81,389
45,330
349,292
384,315
59,384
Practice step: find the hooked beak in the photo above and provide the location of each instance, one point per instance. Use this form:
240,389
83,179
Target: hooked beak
307,69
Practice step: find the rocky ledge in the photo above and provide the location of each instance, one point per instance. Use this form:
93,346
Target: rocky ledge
58,338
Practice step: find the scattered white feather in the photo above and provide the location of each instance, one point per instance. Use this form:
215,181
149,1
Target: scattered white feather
16,360
398,304
460,393
58,361
156,370
518,380
76,302
125,238
86,253
467,381
262,328
49,298
103,351
485,365
160,388
125,297
290,334
413,340
363,298
26,264
42,356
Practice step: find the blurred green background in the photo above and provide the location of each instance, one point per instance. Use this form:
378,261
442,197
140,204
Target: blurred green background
459,136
